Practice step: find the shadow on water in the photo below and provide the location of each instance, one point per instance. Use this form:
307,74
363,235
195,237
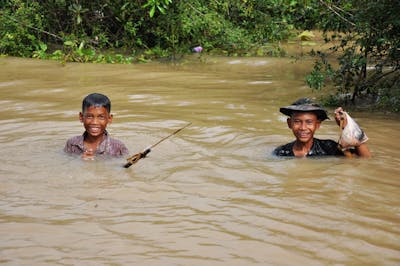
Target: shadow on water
212,194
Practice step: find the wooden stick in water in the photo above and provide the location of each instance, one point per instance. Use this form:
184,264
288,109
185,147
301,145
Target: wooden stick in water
135,158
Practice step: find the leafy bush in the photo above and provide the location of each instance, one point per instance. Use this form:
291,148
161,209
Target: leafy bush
235,27
367,38
20,24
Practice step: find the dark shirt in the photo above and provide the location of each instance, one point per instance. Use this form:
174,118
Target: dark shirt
108,146
320,147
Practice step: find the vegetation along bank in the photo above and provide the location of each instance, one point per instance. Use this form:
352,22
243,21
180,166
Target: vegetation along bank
362,65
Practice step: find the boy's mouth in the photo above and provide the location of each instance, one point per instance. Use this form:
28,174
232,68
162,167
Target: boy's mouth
304,135
94,130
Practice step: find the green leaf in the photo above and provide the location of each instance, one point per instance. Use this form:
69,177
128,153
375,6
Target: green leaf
152,10
162,10
69,43
78,19
43,46
81,45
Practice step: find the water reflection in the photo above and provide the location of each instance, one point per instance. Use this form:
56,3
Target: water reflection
212,194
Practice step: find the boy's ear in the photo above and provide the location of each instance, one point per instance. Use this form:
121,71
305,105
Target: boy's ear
110,118
289,122
81,117
318,124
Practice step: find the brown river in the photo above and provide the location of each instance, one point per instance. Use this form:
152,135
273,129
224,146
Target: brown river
210,195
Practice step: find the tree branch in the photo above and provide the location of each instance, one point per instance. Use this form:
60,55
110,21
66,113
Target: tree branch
34,28
336,13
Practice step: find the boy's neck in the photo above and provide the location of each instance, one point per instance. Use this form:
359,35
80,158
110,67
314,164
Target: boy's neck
302,148
93,141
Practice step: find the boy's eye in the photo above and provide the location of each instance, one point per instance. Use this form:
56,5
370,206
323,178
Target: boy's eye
100,117
308,122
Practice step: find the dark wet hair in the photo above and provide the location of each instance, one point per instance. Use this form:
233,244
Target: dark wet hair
96,100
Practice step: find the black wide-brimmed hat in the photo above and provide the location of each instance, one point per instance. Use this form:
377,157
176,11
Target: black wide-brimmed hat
305,105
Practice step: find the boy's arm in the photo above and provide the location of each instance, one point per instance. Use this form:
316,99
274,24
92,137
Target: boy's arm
67,147
363,151
124,150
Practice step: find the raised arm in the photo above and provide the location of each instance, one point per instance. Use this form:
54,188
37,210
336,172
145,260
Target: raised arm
363,151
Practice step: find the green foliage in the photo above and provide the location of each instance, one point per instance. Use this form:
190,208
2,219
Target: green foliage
365,35
160,5
367,40
77,11
316,79
18,23
321,72
234,27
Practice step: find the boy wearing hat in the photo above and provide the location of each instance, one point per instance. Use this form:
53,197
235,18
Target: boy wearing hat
305,118
95,117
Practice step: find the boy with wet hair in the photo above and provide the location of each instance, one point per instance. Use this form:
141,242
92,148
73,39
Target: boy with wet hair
95,141
304,120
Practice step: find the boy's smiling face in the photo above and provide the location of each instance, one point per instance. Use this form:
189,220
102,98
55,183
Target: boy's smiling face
95,120
304,125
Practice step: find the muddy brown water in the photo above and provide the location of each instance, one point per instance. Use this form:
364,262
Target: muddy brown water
211,195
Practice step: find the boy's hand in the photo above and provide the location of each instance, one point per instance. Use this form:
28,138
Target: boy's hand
340,117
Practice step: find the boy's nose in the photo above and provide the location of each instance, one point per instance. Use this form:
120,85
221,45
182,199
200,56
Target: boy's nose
95,120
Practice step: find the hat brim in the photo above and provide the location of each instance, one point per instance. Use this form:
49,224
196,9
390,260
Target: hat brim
289,110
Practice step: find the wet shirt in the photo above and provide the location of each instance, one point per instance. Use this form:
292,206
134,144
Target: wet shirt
108,146
319,148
